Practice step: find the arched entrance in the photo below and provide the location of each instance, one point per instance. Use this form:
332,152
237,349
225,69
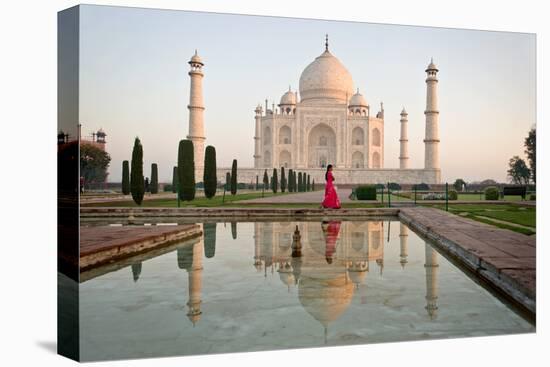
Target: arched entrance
321,146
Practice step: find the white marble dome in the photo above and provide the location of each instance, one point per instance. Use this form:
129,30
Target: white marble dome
358,100
289,98
326,78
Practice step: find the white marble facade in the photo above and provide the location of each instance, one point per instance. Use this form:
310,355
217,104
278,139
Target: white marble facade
328,122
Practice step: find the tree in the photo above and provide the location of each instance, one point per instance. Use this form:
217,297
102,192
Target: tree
186,170
295,183
266,180
283,180
518,172
93,164
257,183
137,183
459,184
308,187
175,180
234,177
227,181
300,179
146,184
290,180
210,179
125,177
313,185
154,179
531,152
275,185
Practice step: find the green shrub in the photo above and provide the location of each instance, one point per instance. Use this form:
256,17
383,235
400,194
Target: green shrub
137,183
186,170
366,192
532,197
234,177
380,186
453,195
154,179
492,193
209,176
394,186
125,177
174,185
421,187
168,187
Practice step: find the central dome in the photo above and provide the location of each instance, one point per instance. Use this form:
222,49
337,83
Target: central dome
326,78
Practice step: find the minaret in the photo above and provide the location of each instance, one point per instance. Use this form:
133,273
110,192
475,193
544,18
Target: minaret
404,141
431,141
431,267
257,138
196,114
403,239
195,283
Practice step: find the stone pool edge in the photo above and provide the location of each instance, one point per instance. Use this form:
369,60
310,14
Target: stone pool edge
508,286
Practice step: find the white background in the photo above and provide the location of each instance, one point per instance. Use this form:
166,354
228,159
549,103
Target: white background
28,186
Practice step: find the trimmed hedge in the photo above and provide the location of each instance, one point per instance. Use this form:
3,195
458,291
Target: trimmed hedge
366,192
492,193
453,195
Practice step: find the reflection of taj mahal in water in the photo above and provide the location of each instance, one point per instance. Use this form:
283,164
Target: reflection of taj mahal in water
336,258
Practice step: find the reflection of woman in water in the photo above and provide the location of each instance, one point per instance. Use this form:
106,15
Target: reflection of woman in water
331,198
330,230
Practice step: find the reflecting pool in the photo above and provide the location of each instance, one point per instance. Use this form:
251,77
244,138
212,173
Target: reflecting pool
239,288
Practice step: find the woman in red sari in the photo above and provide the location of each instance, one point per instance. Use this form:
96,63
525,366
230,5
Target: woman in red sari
331,198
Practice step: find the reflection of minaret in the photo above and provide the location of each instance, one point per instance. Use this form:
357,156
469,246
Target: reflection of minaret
257,246
431,267
136,271
403,239
190,259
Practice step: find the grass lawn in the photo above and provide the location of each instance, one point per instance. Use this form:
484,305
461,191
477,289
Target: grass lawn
509,214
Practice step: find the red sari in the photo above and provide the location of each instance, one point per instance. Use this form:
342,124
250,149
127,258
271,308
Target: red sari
331,198
331,236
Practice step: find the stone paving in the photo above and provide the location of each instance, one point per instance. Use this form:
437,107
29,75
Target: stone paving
299,198
504,258
103,244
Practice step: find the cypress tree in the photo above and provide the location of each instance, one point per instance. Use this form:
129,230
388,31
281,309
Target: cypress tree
295,183
308,183
154,179
227,181
313,185
186,170
234,177
209,178
257,183
125,177
283,180
290,180
275,181
299,181
137,183
175,180
266,180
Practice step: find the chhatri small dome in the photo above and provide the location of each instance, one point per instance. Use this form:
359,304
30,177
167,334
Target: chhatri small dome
403,111
289,98
357,100
196,59
326,78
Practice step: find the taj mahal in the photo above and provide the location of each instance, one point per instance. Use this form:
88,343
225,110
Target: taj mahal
327,122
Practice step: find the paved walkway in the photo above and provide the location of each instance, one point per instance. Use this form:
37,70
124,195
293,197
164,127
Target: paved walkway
315,197
504,258
99,245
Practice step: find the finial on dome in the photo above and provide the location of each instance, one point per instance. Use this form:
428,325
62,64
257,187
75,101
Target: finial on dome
290,90
357,90
326,42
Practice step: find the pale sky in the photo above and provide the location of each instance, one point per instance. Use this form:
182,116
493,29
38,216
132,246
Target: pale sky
134,82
